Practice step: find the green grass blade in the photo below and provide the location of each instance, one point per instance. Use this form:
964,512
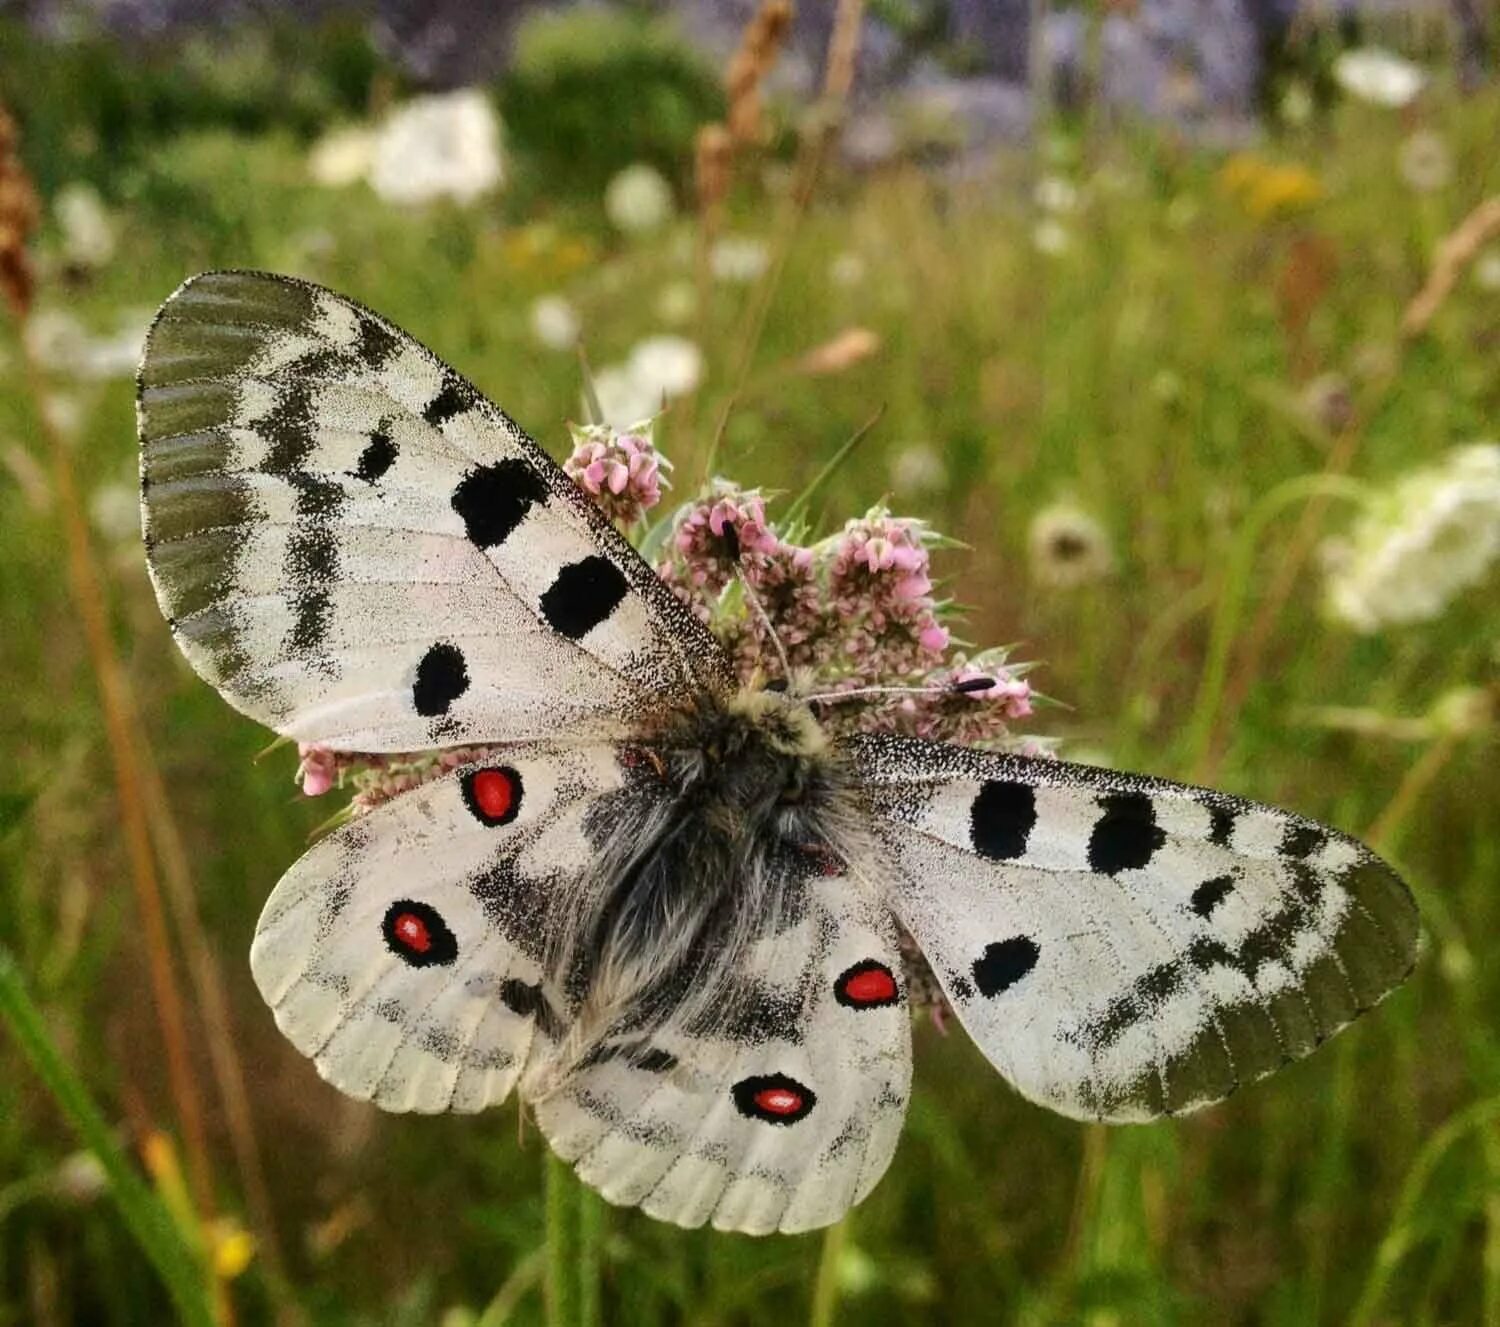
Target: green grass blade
142,1213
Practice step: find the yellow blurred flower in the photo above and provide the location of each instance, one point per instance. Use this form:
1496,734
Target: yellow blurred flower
542,251
232,1248
1265,189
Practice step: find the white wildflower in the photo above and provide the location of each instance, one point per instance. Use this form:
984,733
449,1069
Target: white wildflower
554,322
658,369
115,510
1378,76
738,259
342,156
918,468
1487,269
1068,547
88,231
1051,237
1055,194
638,200
622,397
1425,162
1430,536
672,364
62,345
440,146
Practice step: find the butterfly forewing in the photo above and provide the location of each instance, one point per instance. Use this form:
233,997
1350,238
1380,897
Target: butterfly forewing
1123,947
778,1117
358,549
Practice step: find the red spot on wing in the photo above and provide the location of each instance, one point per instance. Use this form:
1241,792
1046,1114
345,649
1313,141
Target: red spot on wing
779,1101
494,790
867,985
411,931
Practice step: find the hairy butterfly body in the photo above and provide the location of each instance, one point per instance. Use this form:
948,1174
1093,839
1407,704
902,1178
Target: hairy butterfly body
667,910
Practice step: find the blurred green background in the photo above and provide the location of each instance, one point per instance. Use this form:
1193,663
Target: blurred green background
1152,326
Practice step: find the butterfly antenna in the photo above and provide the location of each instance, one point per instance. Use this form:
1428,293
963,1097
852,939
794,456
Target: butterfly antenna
753,600
965,688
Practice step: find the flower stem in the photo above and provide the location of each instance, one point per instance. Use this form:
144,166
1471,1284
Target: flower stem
825,1299
590,1212
143,1214
563,1308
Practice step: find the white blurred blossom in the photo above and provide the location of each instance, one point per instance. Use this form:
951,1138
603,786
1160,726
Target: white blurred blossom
638,200
62,345
658,369
554,322
738,259
445,145
1068,547
1425,162
1056,194
673,363
1429,536
1487,269
88,230
1051,237
115,510
342,156
1378,76
918,468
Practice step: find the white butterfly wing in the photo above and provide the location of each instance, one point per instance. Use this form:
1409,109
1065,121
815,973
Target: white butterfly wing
779,1120
357,548
1122,947
403,952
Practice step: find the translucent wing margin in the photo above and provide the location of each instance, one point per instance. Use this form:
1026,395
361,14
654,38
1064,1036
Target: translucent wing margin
1124,947
779,1118
357,548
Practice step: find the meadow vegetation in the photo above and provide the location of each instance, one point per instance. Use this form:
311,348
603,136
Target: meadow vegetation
1176,342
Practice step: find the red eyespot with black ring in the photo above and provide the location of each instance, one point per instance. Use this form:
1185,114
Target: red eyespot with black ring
493,794
417,934
774,1098
867,985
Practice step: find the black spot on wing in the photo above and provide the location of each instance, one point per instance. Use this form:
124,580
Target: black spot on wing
289,427
1221,822
1001,819
1126,834
494,499
1302,840
584,594
454,398
442,678
526,1000
376,344
1210,894
1004,963
378,456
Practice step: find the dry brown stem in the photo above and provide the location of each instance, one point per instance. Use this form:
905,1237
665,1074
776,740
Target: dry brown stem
19,213
760,45
1455,252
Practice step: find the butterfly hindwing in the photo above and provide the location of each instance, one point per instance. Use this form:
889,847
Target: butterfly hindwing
357,548
1123,947
779,1117
403,952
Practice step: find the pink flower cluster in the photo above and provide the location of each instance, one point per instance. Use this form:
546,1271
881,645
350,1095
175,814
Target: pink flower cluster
724,531
620,471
